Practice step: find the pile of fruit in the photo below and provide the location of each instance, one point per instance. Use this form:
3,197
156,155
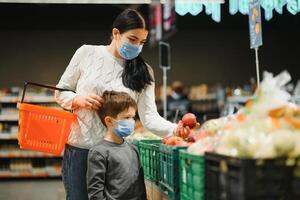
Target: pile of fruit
186,135
197,140
267,127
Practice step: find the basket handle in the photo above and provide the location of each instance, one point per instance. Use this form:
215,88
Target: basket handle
42,85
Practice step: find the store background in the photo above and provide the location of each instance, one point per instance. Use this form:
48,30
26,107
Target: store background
38,41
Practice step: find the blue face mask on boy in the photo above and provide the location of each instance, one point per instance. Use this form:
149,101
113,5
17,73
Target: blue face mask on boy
124,127
130,51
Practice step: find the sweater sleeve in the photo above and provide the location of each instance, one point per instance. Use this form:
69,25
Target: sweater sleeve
96,169
148,112
69,79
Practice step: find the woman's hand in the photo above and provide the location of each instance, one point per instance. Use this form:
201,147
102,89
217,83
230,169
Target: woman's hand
182,131
91,101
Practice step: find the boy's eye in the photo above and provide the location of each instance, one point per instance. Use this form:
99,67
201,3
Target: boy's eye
129,118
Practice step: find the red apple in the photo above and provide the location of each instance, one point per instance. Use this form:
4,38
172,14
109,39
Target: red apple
189,120
172,140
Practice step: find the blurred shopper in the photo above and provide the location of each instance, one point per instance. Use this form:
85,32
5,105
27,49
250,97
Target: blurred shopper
178,102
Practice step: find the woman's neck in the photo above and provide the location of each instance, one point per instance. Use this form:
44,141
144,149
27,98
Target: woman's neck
111,48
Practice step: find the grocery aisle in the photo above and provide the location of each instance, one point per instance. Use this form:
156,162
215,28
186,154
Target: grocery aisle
32,190
243,135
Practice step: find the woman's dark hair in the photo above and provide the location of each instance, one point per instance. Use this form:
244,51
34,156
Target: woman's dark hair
136,75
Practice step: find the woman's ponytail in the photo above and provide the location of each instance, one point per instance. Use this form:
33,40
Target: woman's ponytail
136,75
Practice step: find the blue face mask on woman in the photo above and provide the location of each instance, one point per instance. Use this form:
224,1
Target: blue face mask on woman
124,127
130,51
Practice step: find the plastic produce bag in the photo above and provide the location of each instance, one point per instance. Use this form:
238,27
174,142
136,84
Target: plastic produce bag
267,127
204,145
271,94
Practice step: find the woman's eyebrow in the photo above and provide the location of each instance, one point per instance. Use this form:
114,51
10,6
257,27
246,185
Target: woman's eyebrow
136,38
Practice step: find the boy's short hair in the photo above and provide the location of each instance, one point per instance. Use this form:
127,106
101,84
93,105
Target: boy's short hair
115,103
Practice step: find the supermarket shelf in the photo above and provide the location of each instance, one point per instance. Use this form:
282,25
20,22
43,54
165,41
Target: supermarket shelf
39,99
30,174
204,98
25,154
8,136
197,99
23,163
12,117
8,99
238,99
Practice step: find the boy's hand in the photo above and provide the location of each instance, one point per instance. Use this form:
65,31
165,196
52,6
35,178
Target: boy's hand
91,101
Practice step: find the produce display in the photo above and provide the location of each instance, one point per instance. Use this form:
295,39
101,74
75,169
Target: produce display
214,126
186,136
198,139
174,141
206,161
206,139
145,135
201,146
267,127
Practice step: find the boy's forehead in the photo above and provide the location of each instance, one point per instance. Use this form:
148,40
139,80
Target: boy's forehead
128,112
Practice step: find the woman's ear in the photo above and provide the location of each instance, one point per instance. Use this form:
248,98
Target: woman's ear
115,33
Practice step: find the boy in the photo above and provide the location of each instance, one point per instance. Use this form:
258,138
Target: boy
114,171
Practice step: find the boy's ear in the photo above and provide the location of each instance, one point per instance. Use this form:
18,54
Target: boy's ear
109,121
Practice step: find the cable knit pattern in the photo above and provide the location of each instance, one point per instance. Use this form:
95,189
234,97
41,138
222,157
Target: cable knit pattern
93,69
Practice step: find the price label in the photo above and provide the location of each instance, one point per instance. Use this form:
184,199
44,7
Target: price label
184,176
255,24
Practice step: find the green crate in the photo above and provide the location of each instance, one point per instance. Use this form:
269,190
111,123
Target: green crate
149,156
192,176
169,170
136,144
171,194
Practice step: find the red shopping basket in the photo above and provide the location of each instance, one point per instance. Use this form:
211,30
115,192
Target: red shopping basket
42,128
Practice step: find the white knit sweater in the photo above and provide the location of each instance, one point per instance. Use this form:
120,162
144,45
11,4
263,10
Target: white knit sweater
93,70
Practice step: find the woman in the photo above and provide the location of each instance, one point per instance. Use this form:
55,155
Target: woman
94,69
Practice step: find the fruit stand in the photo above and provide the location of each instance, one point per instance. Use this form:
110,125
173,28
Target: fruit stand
252,154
